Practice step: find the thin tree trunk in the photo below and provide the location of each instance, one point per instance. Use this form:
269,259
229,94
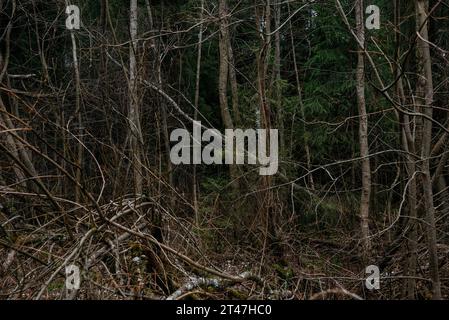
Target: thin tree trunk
224,65
363,131
408,143
301,106
233,82
277,72
79,159
266,208
223,78
195,115
425,92
134,113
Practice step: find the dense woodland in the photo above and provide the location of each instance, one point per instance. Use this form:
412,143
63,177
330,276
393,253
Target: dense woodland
86,177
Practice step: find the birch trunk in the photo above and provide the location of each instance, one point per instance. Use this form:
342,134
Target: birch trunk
363,130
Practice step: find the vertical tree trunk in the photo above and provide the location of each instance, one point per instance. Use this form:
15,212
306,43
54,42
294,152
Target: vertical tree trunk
277,71
263,20
363,130
79,159
223,77
233,82
134,113
197,102
224,65
266,208
408,143
425,92
301,106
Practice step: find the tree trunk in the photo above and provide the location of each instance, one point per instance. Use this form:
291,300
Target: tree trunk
301,106
233,82
425,93
277,72
223,78
363,131
409,146
195,115
134,113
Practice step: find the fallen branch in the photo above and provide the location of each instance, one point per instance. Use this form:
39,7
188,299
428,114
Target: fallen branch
195,283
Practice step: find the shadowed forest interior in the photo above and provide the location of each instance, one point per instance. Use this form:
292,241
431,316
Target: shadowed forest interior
356,89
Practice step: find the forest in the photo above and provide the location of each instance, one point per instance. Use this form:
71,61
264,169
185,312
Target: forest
224,149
